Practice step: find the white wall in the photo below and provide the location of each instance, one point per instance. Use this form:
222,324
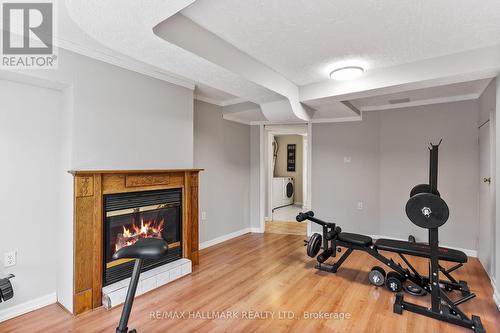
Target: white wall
494,184
255,196
124,120
486,230
337,187
388,157
121,119
404,159
222,148
32,123
114,119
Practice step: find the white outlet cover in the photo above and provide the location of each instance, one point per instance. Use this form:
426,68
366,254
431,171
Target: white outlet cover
347,159
203,215
360,205
9,259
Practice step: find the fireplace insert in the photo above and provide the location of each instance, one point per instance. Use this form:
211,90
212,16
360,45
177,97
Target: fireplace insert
129,217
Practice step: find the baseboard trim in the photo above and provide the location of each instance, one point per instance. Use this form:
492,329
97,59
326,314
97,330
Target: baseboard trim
224,238
496,292
28,306
468,252
256,230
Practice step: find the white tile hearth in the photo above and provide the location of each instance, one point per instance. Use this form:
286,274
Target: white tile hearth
115,293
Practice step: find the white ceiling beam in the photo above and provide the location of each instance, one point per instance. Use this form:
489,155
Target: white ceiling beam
466,66
421,102
188,35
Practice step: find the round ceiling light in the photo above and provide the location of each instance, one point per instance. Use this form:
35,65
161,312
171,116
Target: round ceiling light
346,73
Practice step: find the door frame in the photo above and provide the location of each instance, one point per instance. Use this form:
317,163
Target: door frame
265,164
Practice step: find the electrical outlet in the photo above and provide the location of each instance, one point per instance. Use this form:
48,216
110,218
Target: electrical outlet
9,259
347,159
360,205
203,216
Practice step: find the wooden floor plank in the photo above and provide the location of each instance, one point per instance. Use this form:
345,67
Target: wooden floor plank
286,227
270,272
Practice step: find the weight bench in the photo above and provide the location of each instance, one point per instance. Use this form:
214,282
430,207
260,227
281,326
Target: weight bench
425,209
334,239
352,241
404,247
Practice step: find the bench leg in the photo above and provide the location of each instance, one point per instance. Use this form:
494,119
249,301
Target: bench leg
333,268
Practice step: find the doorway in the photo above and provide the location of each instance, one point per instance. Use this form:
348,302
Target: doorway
286,187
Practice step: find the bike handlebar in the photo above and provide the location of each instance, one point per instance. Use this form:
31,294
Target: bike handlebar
304,216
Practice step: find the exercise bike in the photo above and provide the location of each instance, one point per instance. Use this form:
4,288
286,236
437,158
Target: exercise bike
144,248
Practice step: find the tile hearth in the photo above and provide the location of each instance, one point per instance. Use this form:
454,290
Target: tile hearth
114,294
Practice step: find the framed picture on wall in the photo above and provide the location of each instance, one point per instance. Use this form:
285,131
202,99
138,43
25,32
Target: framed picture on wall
291,150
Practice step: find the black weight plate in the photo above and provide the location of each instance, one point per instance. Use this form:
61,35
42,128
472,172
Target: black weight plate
427,210
394,282
377,276
423,188
314,245
415,290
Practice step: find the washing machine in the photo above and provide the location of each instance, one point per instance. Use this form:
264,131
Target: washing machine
283,191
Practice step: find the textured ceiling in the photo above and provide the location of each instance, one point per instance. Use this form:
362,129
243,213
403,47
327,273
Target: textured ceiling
299,39
126,26
303,39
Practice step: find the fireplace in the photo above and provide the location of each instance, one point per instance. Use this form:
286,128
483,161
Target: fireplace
134,215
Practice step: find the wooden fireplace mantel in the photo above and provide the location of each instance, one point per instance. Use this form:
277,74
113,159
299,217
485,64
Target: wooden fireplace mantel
89,188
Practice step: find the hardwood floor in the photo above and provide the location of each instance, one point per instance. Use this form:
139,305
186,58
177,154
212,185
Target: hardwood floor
287,228
269,272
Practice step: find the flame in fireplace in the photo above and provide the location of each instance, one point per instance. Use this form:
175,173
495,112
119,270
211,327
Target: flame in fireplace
148,229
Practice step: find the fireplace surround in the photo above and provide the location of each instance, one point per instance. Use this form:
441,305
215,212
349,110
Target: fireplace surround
91,190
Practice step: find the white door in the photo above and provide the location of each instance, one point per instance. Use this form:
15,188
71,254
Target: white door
485,248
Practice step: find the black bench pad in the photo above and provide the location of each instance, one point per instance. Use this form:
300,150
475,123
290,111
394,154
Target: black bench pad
356,239
419,250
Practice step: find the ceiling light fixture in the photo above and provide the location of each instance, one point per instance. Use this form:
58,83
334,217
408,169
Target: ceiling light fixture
346,73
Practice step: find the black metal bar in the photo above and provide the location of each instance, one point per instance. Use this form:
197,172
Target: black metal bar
464,322
448,302
453,286
447,274
434,272
410,266
326,244
464,299
339,262
129,300
454,268
324,267
433,166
